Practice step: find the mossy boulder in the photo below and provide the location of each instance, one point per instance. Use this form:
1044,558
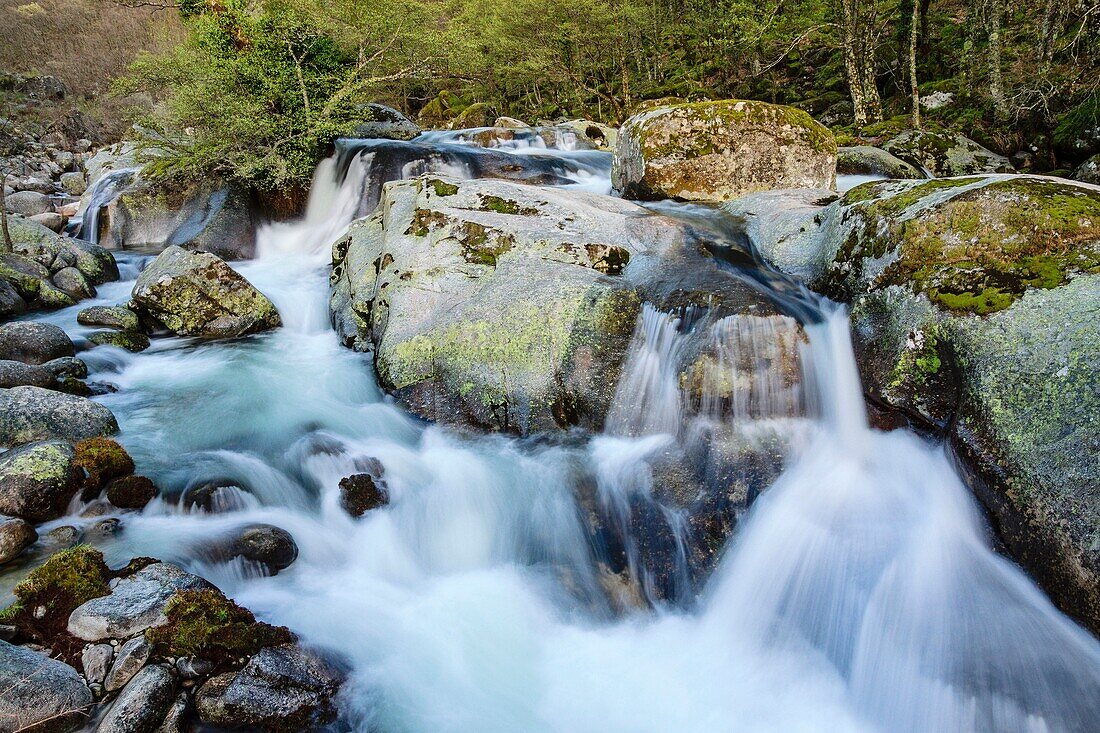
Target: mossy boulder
38,480
206,624
974,312
101,459
478,114
972,245
46,597
197,294
495,304
867,160
716,151
944,153
131,492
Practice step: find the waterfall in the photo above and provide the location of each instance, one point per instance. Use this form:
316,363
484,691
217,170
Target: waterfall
103,192
858,593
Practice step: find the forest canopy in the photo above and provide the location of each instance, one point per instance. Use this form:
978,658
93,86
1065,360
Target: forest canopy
259,88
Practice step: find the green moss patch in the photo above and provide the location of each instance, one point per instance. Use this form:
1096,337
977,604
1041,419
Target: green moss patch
442,188
206,624
102,460
505,206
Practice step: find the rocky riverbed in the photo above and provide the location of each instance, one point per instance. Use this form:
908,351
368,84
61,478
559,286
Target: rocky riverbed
473,438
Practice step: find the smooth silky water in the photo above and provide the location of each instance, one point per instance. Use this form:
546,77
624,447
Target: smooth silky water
860,592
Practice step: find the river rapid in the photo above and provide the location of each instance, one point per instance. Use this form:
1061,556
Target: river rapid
859,593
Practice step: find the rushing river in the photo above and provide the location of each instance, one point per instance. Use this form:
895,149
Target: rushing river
860,593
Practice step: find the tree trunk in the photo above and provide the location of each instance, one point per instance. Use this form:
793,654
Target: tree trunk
5,244
996,84
914,26
853,68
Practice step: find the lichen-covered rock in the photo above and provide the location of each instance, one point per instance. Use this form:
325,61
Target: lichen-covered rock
869,160
16,535
380,121
975,311
32,413
72,282
495,304
785,227
11,302
197,294
24,275
946,153
281,689
38,480
26,231
39,694
96,264
110,316
137,603
970,244
34,343
716,151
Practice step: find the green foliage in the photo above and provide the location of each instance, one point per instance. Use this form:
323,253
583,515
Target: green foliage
259,89
206,624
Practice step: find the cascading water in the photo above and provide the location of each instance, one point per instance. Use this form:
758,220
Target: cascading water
860,593
103,191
